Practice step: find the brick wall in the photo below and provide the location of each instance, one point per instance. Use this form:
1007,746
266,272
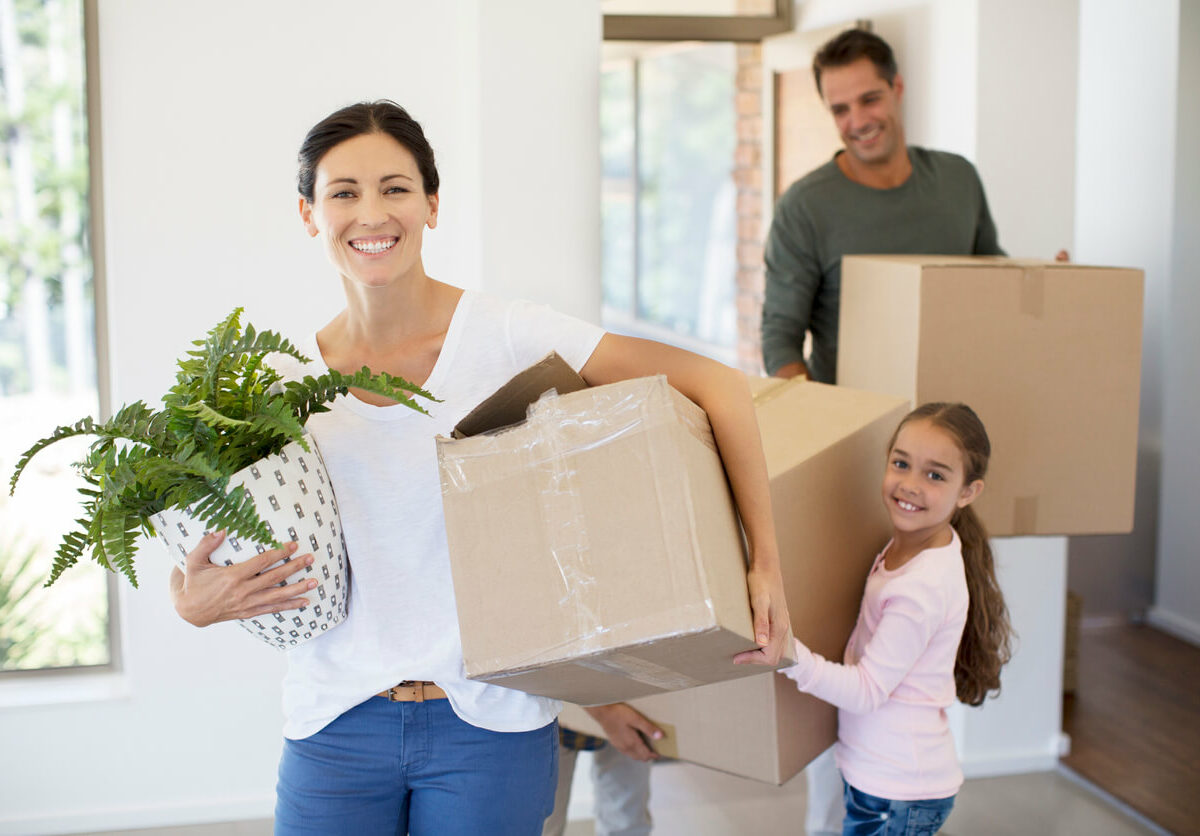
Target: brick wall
747,173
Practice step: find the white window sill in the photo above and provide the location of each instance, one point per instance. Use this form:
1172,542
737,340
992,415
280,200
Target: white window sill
63,688
622,322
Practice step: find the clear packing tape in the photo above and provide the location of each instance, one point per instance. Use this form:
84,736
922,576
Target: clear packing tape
598,485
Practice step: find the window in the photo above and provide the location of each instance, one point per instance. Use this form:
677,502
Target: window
745,21
668,199
48,368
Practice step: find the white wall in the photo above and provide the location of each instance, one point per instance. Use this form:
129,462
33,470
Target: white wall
1177,596
1026,121
1125,180
540,117
203,109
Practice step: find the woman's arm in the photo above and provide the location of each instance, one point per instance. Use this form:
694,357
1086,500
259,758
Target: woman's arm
724,394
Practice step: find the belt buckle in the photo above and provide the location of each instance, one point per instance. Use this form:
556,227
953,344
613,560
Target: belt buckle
407,687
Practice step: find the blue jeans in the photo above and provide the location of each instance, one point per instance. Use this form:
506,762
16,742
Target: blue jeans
870,815
414,767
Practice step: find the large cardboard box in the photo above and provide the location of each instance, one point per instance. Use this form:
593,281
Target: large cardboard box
594,546
825,450
1048,354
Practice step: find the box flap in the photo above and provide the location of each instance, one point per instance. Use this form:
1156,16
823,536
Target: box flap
799,418
933,260
508,404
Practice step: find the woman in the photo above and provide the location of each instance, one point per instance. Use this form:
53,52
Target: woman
383,731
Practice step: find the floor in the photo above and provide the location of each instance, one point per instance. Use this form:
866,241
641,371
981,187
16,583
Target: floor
699,802
1135,728
1134,721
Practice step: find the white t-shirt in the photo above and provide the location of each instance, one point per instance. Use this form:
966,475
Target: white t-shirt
382,462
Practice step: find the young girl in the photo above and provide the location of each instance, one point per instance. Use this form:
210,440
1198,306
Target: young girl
932,626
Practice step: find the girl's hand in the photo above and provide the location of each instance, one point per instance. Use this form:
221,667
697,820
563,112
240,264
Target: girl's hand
771,618
205,593
627,729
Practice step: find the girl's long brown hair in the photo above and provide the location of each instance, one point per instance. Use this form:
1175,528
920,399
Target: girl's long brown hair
986,641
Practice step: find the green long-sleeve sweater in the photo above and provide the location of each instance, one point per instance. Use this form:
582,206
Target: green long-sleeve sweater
940,210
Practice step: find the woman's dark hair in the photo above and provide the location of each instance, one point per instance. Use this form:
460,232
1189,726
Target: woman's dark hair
986,641
851,45
380,117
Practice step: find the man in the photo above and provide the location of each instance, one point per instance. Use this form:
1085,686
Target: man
620,772
878,195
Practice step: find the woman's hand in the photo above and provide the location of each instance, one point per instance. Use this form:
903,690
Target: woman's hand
771,618
205,593
627,729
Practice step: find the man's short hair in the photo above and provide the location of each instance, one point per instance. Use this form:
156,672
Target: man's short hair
850,46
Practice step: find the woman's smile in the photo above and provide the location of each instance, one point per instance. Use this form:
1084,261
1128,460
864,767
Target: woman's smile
374,246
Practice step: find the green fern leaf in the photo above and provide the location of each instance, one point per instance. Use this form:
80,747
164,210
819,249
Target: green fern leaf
68,553
207,415
84,426
120,537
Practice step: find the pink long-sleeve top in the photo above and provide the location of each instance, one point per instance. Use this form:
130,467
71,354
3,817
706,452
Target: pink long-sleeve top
897,679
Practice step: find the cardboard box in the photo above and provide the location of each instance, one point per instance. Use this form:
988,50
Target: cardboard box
1048,355
761,727
825,450
595,549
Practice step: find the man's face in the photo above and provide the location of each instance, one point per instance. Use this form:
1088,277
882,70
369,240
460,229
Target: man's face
866,110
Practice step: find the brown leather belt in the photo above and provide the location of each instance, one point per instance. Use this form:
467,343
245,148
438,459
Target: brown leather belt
410,691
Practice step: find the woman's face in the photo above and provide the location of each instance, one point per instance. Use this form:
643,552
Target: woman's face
370,207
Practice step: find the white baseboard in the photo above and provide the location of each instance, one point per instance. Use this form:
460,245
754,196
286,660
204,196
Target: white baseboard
1016,763
1179,626
142,816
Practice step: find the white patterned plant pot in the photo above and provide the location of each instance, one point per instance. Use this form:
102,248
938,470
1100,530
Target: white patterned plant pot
294,497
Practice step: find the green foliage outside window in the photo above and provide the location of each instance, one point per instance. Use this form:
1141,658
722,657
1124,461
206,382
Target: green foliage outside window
47,342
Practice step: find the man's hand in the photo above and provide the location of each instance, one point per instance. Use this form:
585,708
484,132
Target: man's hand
797,369
1062,255
771,618
206,593
624,726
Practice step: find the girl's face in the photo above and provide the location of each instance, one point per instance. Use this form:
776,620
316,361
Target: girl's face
370,207
925,480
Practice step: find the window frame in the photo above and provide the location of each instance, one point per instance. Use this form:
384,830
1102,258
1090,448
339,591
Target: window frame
20,681
735,28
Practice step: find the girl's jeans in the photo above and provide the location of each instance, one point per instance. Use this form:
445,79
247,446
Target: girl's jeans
414,767
870,815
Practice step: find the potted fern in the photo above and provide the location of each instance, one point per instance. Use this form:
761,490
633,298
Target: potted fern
226,451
